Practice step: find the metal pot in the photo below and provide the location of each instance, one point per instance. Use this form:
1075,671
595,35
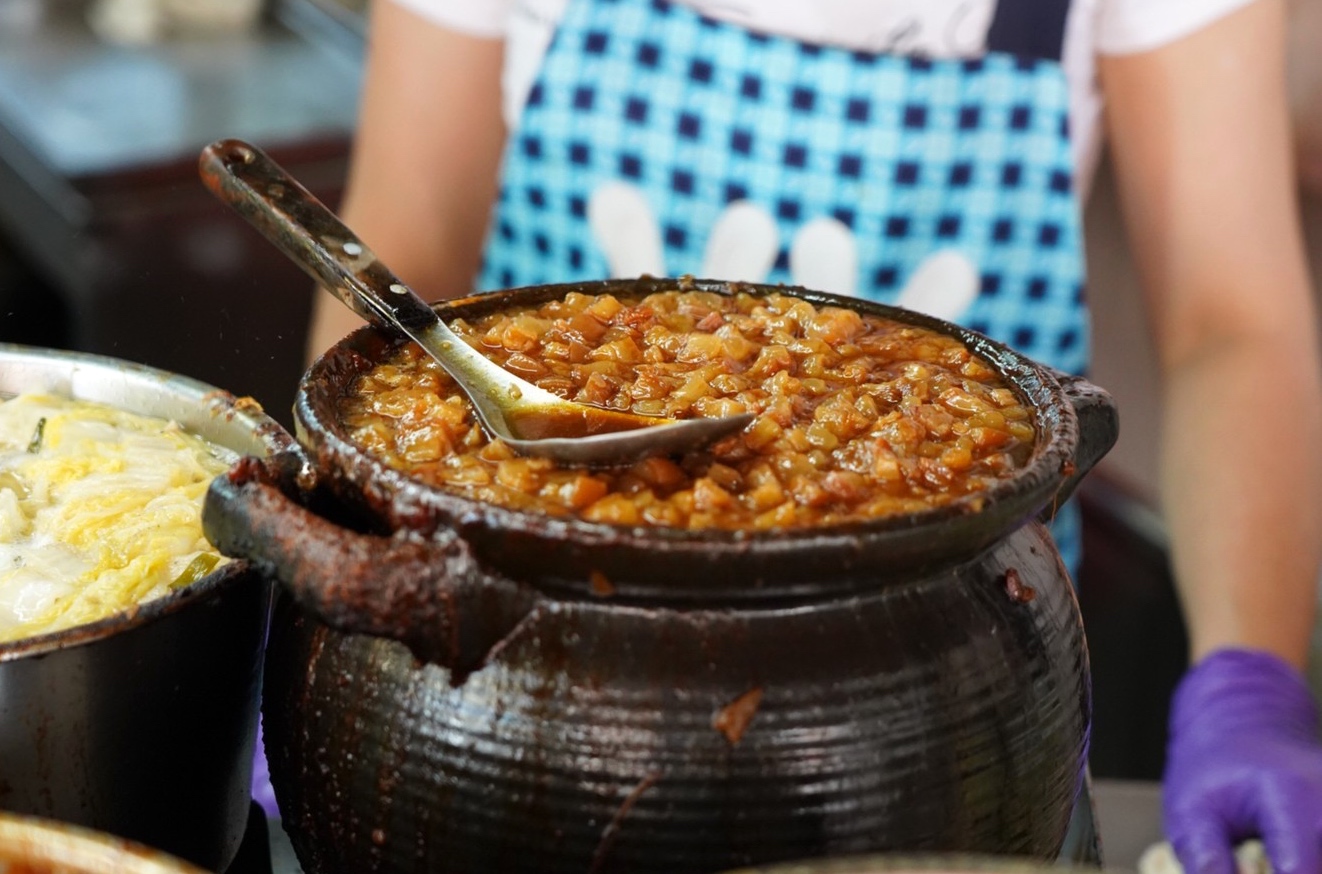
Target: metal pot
445,690
143,724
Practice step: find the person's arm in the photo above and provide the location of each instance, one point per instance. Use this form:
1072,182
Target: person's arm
425,157
1306,90
1201,143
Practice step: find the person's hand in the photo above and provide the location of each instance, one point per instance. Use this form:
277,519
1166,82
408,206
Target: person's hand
1244,761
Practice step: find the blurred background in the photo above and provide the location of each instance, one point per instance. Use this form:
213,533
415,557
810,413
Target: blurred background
110,244
108,241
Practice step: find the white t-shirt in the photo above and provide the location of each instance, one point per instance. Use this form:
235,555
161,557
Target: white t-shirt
935,28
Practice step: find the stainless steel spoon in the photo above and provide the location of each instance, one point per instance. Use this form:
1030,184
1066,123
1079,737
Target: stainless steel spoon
531,420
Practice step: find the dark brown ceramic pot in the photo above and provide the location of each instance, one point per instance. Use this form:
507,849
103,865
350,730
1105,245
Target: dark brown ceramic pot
924,864
446,692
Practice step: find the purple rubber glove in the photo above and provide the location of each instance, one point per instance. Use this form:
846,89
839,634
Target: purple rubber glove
1244,761
262,792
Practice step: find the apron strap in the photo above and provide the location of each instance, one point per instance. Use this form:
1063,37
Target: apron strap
1029,28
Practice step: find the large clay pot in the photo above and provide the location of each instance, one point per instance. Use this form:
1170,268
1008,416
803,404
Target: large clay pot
921,864
446,692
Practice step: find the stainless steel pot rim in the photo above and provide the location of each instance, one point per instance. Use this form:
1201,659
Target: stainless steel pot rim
233,573
238,424
213,413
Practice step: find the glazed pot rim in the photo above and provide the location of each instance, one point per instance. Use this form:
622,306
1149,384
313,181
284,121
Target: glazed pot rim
967,525
235,424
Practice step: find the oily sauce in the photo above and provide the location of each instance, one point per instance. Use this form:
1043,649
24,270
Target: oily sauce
856,417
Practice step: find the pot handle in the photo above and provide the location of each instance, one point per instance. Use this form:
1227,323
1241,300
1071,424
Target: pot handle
1099,426
428,593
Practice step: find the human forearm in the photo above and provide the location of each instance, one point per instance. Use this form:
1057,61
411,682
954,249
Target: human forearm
425,157
1202,144
1242,488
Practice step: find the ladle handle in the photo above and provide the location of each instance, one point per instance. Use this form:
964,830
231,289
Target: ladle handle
299,225
302,227
288,215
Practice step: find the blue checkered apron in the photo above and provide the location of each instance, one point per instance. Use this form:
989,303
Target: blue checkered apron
912,155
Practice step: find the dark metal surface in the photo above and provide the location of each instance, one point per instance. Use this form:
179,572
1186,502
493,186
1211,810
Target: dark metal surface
143,728
142,724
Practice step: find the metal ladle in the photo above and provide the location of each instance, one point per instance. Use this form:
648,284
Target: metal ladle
531,420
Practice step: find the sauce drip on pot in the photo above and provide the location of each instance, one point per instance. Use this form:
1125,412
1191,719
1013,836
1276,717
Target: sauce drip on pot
856,417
